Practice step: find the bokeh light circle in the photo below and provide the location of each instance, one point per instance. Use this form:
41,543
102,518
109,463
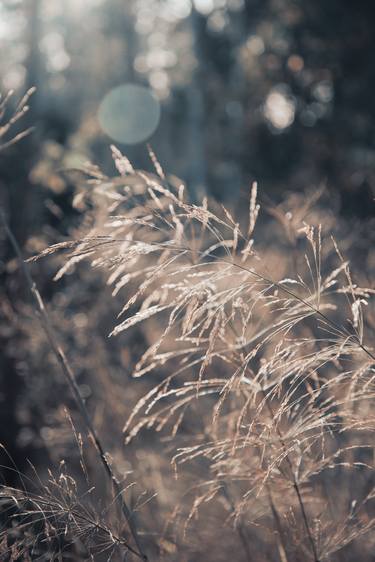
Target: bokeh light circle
129,113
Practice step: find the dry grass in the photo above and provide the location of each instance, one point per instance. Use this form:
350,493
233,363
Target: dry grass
257,379
7,123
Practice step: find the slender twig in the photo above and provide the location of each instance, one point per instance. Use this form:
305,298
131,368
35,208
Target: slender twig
294,479
71,380
313,308
239,526
295,483
54,510
270,499
282,543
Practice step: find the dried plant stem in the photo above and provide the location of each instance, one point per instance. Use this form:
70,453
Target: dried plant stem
295,483
282,544
294,480
306,303
70,378
41,503
239,527
269,407
270,499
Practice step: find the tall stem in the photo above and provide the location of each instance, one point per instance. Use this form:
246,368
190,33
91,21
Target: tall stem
72,383
296,486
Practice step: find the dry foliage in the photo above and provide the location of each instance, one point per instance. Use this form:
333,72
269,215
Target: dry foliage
258,376
7,123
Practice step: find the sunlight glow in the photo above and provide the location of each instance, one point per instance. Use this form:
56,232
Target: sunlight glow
129,114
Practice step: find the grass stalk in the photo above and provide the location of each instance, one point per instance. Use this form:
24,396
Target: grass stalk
69,376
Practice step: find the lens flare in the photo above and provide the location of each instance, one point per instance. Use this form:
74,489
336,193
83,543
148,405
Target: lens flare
129,114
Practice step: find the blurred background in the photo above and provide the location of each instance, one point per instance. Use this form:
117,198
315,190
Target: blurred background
225,91
277,90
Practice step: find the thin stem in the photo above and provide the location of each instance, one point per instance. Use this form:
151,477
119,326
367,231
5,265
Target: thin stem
276,517
239,526
306,303
71,380
58,509
295,482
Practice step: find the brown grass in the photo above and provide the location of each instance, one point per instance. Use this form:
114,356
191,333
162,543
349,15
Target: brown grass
256,380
